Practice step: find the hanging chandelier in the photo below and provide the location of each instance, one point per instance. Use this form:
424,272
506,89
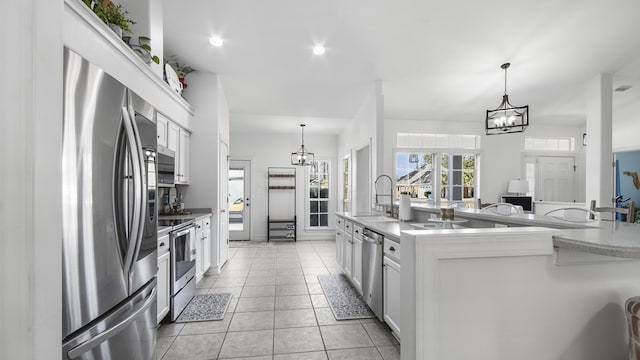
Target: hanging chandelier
302,157
507,118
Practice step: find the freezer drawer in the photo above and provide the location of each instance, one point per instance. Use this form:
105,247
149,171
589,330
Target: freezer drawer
128,332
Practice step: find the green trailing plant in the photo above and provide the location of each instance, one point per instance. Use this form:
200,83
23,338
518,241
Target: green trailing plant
143,49
112,14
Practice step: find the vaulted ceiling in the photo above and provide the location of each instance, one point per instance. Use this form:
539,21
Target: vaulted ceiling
438,60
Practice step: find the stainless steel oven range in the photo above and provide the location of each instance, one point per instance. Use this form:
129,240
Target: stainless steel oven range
183,264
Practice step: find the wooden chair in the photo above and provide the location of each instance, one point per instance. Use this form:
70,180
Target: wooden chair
503,209
481,205
629,211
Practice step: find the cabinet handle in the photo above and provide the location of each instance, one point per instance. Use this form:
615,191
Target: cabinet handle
161,244
392,249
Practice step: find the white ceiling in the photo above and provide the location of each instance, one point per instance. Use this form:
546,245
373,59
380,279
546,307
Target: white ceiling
438,60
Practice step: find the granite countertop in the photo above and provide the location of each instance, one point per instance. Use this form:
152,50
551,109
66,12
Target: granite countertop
609,238
196,213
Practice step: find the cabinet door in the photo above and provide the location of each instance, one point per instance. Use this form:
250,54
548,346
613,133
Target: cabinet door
206,248
391,301
357,264
163,286
173,133
348,255
199,252
339,247
163,125
182,175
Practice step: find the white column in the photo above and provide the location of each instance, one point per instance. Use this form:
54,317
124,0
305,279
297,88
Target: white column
599,153
30,159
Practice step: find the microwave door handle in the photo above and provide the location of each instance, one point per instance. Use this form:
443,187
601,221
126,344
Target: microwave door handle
137,189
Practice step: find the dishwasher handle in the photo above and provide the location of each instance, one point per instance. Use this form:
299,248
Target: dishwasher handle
371,241
370,234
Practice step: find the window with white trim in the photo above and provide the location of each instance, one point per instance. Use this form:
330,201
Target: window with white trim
318,194
438,168
533,143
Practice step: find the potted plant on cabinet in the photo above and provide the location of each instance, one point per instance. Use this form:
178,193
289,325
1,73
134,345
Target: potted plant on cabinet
114,16
143,49
180,69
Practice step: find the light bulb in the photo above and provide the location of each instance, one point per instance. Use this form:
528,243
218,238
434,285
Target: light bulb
319,49
216,41
512,120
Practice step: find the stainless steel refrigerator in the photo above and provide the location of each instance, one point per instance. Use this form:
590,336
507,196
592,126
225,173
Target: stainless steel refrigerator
109,218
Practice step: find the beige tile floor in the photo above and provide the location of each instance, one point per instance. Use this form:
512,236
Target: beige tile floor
278,311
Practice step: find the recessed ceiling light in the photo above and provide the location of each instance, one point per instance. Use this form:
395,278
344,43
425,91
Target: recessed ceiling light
216,41
319,49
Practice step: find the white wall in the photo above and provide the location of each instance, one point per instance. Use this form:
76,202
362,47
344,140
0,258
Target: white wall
367,128
30,158
501,155
626,127
266,150
210,124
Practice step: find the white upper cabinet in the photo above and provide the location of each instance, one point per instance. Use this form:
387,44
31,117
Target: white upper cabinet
182,157
173,137
163,127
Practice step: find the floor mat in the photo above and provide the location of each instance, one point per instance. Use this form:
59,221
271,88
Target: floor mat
343,298
206,307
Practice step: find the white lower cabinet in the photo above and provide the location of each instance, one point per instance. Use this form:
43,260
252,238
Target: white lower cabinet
340,247
348,255
203,246
164,274
356,271
391,301
206,244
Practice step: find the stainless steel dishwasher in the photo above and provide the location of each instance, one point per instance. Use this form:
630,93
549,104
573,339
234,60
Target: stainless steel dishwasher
372,271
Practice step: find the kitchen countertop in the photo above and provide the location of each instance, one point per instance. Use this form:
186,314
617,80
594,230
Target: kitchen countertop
195,214
163,230
609,238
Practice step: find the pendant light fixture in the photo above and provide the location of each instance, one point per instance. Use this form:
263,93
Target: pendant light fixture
507,118
302,157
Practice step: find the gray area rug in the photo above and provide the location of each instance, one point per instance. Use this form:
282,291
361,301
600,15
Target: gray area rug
206,307
343,298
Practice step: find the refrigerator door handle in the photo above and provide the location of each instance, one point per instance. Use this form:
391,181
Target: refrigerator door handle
142,210
106,335
134,234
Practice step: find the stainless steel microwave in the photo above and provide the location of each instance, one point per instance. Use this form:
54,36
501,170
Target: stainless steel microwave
166,167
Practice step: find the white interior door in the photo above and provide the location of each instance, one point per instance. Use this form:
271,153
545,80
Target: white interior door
240,200
223,215
555,178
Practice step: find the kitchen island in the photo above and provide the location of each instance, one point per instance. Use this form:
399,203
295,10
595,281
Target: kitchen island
535,288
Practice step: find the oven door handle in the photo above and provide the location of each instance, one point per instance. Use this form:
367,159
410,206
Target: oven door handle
183,231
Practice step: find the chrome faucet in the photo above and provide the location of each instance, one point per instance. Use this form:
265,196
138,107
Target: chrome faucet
384,196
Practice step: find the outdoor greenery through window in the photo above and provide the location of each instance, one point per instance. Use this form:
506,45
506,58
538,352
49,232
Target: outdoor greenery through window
319,194
442,178
457,178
